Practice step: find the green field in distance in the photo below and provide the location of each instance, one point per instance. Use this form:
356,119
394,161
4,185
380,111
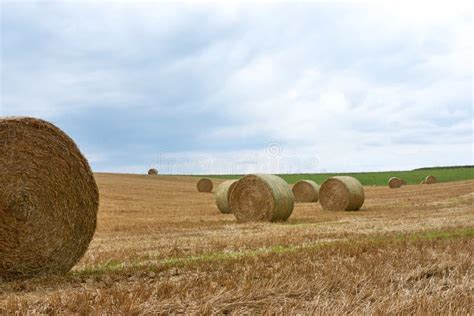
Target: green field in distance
443,174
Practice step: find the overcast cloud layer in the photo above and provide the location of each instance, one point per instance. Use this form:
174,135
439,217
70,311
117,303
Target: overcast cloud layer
206,88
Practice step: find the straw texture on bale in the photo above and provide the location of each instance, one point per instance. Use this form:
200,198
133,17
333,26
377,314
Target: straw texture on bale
306,191
48,199
430,180
395,183
261,197
222,195
423,181
341,194
152,172
204,185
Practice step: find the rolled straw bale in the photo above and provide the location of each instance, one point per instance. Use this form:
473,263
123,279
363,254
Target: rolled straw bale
341,194
261,197
395,183
430,180
48,199
222,195
152,172
204,185
306,191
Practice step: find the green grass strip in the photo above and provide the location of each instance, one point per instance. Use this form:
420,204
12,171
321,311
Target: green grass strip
114,266
446,174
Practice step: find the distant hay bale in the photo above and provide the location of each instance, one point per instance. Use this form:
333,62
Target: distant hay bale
204,185
48,199
341,194
430,180
395,183
261,197
222,195
152,172
306,191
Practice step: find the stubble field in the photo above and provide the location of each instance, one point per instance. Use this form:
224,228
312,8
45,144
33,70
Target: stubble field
162,247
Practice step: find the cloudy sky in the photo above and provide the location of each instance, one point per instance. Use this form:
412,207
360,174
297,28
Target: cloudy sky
236,88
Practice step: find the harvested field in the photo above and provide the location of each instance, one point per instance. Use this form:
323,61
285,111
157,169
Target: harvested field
162,247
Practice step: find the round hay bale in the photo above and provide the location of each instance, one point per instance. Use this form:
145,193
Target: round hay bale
204,185
341,194
430,180
48,199
395,183
306,191
222,196
423,181
152,172
261,197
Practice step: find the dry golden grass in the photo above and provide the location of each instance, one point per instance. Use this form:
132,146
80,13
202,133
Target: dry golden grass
162,247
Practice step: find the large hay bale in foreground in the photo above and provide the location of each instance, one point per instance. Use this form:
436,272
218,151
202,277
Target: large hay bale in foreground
261,197
341,194
306,191
204,185
222,195
48,199
152,172
430,180
395,183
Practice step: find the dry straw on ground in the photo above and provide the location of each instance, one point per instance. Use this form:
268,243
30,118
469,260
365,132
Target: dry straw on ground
341,194
306,191
261,197
430,180
395,183
48,199
222,195
152,172
204,185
